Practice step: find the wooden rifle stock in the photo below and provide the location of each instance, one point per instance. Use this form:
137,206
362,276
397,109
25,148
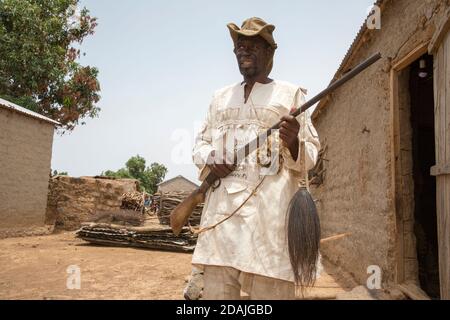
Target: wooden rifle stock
180,215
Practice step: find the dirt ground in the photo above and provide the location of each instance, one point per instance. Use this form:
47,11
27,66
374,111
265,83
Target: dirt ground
36,268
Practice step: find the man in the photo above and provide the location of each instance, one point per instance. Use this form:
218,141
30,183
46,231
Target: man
248,252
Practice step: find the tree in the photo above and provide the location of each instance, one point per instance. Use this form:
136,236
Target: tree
135,168
38,59
56,173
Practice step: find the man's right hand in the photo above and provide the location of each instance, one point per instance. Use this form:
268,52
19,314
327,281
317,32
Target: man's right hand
220,166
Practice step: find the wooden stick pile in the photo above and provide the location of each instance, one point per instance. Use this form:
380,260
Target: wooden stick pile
168,201
317,174
160,238
132,201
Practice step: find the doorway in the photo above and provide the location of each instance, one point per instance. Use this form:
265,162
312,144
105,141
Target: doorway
424,157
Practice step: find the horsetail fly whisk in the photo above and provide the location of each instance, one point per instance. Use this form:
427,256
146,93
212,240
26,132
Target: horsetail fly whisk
303,227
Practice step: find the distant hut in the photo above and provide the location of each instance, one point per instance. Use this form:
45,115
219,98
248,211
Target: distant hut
178,184
386,168
170,193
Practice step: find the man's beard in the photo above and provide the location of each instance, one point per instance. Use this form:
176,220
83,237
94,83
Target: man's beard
249,72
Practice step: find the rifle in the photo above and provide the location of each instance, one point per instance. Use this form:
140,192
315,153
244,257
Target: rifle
180,215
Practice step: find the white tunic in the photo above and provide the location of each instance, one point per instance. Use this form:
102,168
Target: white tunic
254,239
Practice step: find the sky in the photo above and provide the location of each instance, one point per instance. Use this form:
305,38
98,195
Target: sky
161,61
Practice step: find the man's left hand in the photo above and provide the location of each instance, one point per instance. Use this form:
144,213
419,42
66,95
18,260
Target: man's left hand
289,130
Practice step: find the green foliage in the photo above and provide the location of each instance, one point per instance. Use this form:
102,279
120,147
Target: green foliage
135,168
62,173
38,59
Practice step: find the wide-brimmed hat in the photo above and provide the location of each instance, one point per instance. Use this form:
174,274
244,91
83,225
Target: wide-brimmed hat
253,27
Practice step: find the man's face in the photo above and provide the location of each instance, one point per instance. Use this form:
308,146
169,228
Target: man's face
253,54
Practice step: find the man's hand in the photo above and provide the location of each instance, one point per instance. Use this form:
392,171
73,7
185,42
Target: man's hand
289,130
220,166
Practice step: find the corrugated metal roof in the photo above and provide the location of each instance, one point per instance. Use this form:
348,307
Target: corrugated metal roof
355,42
349,54
12,106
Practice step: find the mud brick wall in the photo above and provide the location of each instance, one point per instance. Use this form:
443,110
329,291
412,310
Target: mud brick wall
72,201
357,194
25,156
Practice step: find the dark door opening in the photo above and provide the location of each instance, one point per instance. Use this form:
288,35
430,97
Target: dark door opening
424,156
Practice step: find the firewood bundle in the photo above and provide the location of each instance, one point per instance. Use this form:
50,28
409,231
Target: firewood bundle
132,201
317,174
160,238
168,201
